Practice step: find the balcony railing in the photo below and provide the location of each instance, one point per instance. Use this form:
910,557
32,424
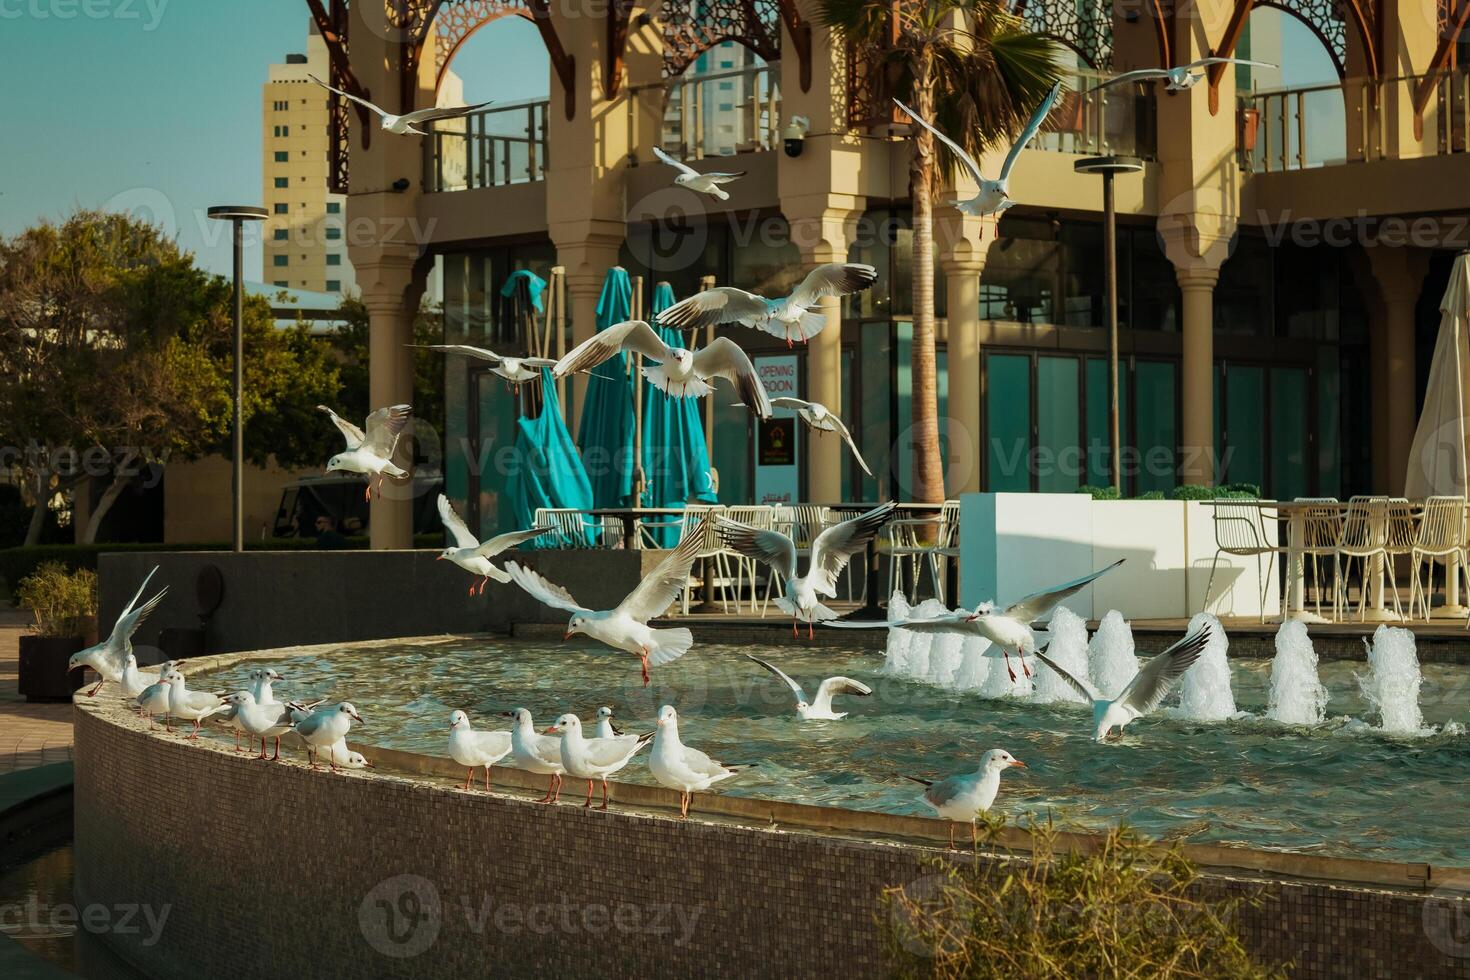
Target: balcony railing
491,148
1116,120
711,114
1352,121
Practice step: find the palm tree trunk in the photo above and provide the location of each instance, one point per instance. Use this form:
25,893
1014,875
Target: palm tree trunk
928,475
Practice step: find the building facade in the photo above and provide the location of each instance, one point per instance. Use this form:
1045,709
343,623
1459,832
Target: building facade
1280,259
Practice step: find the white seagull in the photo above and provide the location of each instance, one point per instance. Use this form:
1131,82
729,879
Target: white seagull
190,705
1182,78
625,627
694,180
371,454
265,720
680,767
1008,627
535,752
679,373
344,758
791,317
993,196
468,553
595,758
516,370
109,657
831,551
409,121
1144,693
261,680
135,681
817,416
821,708
962,798
605,726
471,748
154,700
325,727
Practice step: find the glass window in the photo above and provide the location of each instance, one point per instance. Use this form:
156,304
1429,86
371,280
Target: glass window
1307,292
873,431
334,207
1243,292
1083,278
769,264
1156,438
1058,424
280,260
282,208
333,233
1007,421
282,182
1148,292
1328,426
1019,281
1290,389
283,283
282,156
334,258
1099,435
334,285
281,234
1244,460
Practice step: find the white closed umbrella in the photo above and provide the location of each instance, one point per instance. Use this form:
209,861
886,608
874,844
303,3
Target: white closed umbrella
1438,458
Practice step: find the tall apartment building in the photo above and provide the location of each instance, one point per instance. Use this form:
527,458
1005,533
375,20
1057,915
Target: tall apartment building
305,246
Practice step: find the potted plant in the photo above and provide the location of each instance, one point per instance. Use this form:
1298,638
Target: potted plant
64,604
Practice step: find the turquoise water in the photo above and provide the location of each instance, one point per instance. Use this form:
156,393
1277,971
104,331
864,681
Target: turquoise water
1339,789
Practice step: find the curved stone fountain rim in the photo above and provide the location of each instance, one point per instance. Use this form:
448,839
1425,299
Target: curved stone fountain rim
755,813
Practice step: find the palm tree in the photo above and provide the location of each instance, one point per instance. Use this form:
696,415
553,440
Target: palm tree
971,68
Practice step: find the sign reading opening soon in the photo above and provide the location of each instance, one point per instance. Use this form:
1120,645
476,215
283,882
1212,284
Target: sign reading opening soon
777,478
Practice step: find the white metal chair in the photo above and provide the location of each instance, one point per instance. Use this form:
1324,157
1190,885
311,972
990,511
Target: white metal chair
711,550
1439,537
1364,536
761,517
576,529
1321,525
1241,533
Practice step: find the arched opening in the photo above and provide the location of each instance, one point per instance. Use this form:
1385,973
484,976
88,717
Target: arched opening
1294,115
727,101
501,59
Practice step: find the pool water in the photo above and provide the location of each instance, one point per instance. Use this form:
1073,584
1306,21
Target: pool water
1339,788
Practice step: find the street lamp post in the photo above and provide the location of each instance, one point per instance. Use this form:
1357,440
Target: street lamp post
237,215
1109,167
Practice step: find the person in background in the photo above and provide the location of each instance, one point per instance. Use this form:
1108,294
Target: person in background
328,538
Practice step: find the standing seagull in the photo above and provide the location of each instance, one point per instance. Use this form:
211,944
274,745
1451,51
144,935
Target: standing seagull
408,122
535,752
110,657
324,727
694,180
468,553
371,454
817,416
516,370
471,748
605,726
595,758
821,708
1008,627
994,196
190,705
831,552
1144,693
961,799
1182,78
679,373
625,627
790,317
680,767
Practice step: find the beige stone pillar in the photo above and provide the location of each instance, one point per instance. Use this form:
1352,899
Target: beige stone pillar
961,249
1398,274
1196,374
391,293
1410,33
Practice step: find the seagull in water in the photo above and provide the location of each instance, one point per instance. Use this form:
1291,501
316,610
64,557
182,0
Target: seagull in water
680,767
110,657
962,798
516,370
409,121
471,748
679,373
1008,627
831,552
994,196
468,553
791,317
821,708
694,180
535,752
371,454
1182,78
1144,693
625,627
595,758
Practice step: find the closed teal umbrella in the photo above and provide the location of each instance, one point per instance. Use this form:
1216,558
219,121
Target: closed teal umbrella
546,470
606,433
675,457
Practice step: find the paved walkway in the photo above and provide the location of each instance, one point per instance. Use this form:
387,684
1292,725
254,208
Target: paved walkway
30,734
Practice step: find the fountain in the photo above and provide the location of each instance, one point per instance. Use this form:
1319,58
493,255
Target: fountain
1297,696
1204,691
974,664
1392,685
1068,648
896,658
1110,657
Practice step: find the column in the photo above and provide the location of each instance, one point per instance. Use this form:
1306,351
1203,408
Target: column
962,259
1197,374
586,250
389,293
1398,274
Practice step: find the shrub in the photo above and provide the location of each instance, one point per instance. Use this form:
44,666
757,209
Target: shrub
63,600
1130,909
1099,493
1151,495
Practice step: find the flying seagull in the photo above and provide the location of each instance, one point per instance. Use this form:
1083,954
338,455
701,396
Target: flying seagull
1008,627
1144,692
468,553
109,658
371,454
694,180
409,121
625,627
516,370
819,709
962,798
994,195
831,551
817,416
1182,78
791,317
679,373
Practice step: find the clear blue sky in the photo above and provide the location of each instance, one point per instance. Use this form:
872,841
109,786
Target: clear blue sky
156,104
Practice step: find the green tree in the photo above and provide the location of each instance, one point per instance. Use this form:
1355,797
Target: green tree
971,68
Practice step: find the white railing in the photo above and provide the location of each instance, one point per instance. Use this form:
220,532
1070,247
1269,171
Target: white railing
710,114
490,148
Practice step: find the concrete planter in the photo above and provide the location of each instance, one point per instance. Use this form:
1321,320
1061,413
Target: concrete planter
43,674
1013,544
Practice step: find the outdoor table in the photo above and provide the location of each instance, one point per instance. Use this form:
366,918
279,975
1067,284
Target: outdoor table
629,516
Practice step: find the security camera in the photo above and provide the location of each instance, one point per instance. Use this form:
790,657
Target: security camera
794,135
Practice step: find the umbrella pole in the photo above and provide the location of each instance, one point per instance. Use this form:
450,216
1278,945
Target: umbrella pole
636,364
558,297
708,282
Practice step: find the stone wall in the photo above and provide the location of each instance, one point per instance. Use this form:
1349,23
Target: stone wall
261,869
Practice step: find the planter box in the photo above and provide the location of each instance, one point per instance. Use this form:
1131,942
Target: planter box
1013,544
43,674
